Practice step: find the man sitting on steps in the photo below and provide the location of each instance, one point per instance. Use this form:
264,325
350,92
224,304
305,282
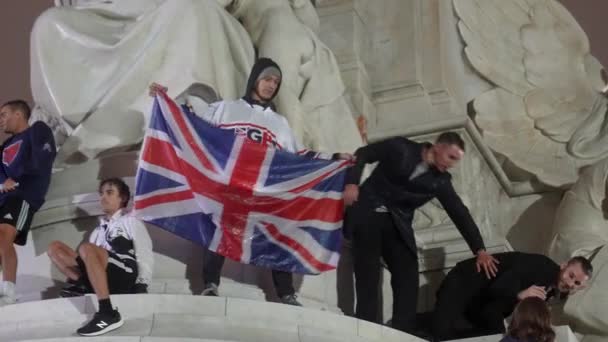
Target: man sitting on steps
117,257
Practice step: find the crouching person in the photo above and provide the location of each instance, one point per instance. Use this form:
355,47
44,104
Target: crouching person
117,259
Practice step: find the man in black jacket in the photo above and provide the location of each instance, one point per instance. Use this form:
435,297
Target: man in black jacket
469,304
408,175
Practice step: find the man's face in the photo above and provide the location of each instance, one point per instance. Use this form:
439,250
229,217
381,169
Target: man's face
446,156
109,199
267,86
8,119
571,278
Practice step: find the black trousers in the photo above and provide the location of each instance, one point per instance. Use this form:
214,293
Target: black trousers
212,268
462,309
374,236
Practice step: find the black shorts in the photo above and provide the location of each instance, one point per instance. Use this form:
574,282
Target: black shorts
17,212
121,273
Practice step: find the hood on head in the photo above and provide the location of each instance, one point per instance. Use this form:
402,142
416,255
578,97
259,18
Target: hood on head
256,70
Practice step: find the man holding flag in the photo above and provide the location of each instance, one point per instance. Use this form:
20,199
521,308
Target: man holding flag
303,198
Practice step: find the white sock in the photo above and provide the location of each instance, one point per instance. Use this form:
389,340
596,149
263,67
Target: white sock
8,289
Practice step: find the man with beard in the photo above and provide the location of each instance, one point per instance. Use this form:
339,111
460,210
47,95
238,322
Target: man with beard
469,304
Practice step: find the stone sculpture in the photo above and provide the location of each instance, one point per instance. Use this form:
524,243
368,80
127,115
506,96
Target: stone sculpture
93,60
544,111
581,228
312,95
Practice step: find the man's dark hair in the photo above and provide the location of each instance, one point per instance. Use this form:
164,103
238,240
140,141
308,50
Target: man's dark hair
121,186
21,106
450,138
585,265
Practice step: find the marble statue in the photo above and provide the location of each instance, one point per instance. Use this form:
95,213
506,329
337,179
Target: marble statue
581,221
581,228
92,62
112,51
544,111
312,95
540,105
587,310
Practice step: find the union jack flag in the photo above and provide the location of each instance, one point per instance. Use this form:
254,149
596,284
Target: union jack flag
244,200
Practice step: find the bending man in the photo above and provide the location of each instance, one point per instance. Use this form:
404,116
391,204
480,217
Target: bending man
407,176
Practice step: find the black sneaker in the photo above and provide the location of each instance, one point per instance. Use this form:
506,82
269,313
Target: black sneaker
101,324
290,300
140,288
211,290
73,291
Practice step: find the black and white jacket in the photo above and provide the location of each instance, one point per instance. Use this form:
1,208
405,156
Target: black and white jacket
126,237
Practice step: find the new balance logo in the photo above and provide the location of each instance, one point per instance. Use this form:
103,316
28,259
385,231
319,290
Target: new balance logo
102,324
8,216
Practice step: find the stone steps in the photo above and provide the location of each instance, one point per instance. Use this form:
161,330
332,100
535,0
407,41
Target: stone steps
114,338
228,288
189,317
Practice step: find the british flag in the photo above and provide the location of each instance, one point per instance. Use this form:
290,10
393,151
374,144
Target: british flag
244,200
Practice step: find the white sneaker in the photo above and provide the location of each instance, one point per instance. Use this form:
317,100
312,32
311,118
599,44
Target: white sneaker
7,293
7,300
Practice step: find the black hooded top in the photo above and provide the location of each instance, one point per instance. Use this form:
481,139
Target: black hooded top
256,70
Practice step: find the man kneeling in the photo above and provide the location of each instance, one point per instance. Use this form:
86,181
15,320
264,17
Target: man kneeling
116,258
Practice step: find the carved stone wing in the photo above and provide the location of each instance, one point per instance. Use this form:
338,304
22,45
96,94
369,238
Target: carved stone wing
543,112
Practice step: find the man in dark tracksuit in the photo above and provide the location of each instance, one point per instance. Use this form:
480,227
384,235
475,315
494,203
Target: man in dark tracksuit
408,175
468,304
25,175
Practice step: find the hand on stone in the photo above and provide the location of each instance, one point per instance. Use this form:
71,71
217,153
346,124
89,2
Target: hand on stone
351,194
8,185
155,88
486,261
533,291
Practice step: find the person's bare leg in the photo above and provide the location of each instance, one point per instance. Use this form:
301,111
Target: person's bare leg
8,254
96,260
64,258
8,257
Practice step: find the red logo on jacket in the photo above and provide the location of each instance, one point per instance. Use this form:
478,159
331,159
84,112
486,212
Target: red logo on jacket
10,152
